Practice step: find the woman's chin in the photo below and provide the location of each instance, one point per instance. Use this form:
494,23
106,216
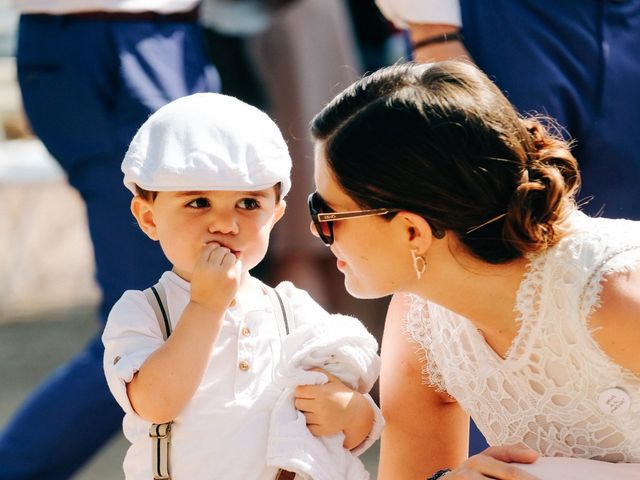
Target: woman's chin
357,290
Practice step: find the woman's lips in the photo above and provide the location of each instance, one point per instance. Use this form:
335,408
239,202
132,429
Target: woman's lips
340,264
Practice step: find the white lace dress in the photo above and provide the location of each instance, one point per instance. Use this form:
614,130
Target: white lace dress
556,391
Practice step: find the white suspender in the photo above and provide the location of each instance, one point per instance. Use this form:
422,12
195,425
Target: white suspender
161,433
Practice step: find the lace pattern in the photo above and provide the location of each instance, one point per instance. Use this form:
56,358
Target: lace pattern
545,392
418,328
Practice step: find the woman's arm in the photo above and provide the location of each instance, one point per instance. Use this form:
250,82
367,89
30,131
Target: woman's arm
425,430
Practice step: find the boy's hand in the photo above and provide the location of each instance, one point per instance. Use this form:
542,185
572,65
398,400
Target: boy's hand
216,277
333,407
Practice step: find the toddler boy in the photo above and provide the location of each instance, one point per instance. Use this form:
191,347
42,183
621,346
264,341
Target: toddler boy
209,175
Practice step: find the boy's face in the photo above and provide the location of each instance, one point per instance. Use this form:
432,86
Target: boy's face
183,222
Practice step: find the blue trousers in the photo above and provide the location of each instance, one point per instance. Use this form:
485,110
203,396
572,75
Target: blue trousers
578,62
87,86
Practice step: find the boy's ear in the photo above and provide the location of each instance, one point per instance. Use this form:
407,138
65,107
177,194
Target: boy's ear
416,230
142,210
281,206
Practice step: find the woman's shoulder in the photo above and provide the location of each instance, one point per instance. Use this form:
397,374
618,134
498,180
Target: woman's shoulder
590,246
599,262
599,234
615,320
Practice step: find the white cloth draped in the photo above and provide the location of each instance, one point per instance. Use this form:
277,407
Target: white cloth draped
343,347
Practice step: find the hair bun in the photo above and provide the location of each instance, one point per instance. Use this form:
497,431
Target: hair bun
545,192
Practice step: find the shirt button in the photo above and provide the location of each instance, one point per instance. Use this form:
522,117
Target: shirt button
233,302
246,332
243,365
116,360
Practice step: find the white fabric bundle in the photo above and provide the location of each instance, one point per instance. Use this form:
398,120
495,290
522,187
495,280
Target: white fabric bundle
343,347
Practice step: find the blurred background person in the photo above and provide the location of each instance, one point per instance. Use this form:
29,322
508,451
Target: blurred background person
90,73
574,61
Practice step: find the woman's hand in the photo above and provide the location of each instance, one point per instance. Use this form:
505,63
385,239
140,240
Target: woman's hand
333,407
495,463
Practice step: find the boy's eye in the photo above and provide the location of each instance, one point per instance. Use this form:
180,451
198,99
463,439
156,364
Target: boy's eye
248,204
199,203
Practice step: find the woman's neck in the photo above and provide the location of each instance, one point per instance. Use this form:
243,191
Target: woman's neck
482,292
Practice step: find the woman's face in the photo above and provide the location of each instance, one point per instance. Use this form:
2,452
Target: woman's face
369,250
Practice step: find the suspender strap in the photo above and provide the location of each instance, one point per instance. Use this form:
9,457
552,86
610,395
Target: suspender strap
160,439
286,322
157,298
282,311
285,475
160,433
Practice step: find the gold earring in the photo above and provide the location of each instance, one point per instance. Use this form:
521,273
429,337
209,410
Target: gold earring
419,263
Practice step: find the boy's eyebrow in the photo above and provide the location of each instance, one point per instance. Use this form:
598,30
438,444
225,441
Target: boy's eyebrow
190,194
255,193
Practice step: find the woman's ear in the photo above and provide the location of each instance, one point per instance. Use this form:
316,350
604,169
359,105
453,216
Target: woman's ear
142,210
417,231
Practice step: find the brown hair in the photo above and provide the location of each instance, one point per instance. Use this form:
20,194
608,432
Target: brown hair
442,141
148,195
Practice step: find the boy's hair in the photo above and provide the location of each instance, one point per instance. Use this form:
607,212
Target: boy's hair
150,195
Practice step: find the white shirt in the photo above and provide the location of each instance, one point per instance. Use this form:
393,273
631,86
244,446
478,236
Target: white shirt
59,7
223,431
402,12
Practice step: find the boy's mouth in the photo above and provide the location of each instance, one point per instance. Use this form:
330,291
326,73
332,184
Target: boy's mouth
222,244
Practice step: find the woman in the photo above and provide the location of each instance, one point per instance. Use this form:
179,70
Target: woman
522,312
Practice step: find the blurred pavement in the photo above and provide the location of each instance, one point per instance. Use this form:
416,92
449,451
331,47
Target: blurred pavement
30,350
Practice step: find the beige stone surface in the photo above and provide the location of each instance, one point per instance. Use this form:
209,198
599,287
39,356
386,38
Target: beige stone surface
12,119
47,262
46,258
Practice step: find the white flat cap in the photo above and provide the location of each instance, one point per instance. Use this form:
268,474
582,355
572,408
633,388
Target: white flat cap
207,141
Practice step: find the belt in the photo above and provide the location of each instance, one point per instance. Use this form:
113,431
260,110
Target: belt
190,16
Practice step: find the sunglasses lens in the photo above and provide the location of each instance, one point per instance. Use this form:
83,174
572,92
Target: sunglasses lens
324,229
326,232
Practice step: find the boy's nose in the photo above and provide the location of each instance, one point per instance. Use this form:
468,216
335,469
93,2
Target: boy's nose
220,223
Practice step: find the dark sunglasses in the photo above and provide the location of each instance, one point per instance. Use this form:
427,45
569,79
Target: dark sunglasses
323,217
